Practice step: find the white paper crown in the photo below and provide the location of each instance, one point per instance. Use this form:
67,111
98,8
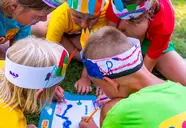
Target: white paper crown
123,64
31,77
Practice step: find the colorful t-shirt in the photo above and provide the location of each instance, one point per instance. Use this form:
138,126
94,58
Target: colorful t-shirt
11,29
155,106
11,118
160,29
61,22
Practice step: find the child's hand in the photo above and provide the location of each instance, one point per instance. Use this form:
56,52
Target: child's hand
90,124
102,102
83,85
59,94
31,126
99,91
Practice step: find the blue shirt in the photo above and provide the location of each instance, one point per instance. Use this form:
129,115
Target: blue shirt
11,29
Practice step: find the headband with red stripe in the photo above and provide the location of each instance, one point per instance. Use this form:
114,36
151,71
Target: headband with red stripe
116,66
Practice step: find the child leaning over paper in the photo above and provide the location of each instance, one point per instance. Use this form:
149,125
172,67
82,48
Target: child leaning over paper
29,79
138,98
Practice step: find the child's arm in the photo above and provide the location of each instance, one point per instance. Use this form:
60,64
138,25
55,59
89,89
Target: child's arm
155,50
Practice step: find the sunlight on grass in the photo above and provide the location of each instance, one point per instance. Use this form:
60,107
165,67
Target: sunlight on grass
179,36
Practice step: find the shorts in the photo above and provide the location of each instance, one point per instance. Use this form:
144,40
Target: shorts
146,43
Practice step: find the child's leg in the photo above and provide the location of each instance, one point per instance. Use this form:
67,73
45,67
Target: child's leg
172,66
70,48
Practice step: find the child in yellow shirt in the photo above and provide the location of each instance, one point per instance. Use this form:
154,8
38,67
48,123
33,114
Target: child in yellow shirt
29,79
65,27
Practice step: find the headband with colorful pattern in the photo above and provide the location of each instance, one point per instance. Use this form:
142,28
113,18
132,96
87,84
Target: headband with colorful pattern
53,3
93,7
131,11
113,67
36,77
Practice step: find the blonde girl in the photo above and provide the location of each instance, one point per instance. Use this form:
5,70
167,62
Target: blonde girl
20,87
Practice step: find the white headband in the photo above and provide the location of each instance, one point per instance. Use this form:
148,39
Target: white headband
116,66
32,77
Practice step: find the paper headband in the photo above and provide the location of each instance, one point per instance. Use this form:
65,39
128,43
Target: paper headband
36,77
120,65
93,7
53,3
131,11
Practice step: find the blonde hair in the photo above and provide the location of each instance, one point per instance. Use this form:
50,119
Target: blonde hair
106,42
35,52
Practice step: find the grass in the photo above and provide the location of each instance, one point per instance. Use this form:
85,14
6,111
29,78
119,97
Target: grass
178,38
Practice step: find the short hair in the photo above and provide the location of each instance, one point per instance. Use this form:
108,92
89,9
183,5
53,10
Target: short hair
34,52
106,42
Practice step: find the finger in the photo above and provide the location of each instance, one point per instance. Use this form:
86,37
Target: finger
90,89
100,92
79,88
100,96
87,90
60,89
38,93
59,94
84,118
83,90
82,124
97,91
57,98
76,85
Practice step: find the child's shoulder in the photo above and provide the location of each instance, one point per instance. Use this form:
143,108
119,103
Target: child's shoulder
164,20
64,8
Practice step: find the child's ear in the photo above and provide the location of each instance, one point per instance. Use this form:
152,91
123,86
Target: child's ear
12,7
112,82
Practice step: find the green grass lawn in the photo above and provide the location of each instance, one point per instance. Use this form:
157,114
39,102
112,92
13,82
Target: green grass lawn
179,38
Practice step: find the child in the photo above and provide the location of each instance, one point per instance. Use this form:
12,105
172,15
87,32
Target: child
65,27
151,21
29,79
148,101
16,17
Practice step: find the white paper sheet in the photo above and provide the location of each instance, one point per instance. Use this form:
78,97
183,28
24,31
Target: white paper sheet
69,115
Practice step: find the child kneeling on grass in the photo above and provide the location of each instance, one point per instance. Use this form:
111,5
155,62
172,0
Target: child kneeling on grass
29,79
138,98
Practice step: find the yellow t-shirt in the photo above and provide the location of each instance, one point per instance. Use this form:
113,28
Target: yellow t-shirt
61,22
11,118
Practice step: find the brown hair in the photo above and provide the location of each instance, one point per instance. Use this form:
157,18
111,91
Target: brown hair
106,42
27,4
